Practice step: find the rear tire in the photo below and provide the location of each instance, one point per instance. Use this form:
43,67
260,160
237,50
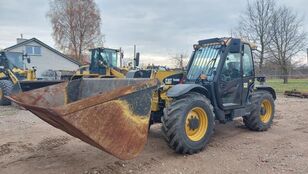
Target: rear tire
6,87
188,123
261,118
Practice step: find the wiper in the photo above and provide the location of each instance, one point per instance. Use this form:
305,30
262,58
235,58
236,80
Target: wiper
199,79
207,65
210,62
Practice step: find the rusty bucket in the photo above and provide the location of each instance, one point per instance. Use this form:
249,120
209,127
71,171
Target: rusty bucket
110,114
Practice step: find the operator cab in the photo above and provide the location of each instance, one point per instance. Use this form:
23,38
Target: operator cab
225,68
12,60
103,58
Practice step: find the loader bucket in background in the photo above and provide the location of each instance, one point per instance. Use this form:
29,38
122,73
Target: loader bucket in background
110,114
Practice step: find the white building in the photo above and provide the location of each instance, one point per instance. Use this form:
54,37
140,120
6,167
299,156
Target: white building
43,57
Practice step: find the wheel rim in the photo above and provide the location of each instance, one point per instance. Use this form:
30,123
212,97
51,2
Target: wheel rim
267,109
196,124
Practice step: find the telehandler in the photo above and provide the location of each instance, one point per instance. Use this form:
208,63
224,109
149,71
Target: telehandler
114,114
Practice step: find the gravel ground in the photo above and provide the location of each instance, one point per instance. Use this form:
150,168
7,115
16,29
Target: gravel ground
29,145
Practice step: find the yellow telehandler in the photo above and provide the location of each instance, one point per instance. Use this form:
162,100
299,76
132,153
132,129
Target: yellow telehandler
114,114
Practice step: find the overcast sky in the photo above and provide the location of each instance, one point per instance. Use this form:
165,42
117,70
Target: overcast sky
159,28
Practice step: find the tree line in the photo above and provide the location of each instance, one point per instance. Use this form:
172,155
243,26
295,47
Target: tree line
278,32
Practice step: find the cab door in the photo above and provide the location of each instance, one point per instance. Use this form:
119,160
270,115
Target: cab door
230,81
248,72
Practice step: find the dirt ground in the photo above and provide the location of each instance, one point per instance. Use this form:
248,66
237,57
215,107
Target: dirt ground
29,145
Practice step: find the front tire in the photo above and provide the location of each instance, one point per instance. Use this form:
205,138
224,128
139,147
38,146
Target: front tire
261,118
6,88
188,123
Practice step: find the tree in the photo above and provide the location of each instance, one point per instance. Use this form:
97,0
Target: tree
287,39
255,25
180,60
76,25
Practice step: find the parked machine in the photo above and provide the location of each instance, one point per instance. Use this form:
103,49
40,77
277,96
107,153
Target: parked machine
114,114
104,64
15,77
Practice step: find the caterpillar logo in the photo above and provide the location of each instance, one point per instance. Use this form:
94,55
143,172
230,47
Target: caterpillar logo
173,79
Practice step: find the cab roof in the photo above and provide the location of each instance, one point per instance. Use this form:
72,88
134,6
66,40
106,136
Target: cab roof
224,41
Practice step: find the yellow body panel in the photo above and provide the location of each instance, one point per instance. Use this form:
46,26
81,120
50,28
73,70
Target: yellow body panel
117,74
29,74
161,75
85,72
2,75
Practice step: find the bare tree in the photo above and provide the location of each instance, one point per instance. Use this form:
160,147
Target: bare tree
287,39
255,25
76,25
180,60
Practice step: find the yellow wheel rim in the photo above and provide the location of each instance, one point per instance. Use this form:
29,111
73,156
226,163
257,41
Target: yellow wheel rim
267,108
196,124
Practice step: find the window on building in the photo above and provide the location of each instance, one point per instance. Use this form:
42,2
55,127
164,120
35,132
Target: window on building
33,50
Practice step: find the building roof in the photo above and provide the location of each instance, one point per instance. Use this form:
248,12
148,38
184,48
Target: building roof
44,45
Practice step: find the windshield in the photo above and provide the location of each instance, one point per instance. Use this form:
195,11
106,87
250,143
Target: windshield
14,60
205,60
111,56
105,57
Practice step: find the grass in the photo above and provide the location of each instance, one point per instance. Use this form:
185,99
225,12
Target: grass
298,84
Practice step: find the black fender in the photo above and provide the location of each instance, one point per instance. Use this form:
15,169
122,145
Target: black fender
181,89
268,89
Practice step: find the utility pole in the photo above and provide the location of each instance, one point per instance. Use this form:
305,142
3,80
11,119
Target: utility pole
121,57
134,51
134,58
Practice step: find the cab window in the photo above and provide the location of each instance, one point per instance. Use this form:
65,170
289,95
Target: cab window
232,67
247,62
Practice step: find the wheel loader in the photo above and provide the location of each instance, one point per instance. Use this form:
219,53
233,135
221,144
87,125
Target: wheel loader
15,77
114,114
104,64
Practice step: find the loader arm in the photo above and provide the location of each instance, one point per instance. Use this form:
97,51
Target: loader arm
12,76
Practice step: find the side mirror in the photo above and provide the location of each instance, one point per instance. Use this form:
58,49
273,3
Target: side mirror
28,60
137,59
235,46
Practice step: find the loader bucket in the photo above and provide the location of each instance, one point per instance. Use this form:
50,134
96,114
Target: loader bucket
110,114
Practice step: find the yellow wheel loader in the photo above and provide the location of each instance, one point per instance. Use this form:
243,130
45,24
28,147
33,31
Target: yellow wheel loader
104,64
15,78
114,114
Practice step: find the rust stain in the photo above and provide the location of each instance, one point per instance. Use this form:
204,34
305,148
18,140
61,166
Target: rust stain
113,127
